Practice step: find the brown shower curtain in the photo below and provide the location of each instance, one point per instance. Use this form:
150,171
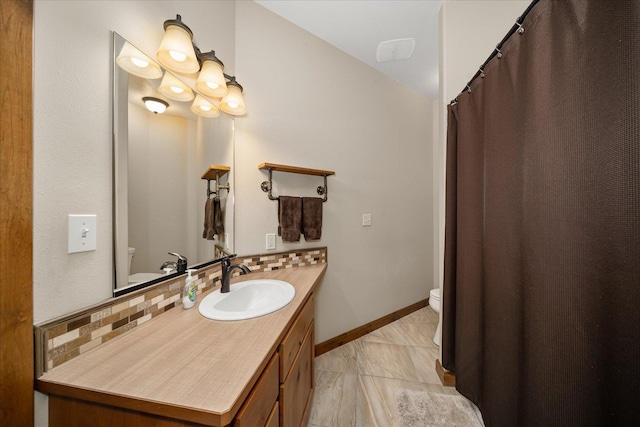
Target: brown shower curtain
541,304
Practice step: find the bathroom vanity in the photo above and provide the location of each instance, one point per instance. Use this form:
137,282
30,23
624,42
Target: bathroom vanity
181,369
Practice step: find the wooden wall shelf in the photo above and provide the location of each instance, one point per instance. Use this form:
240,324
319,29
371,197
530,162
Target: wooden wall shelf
270,167
214,173
294,169
211,172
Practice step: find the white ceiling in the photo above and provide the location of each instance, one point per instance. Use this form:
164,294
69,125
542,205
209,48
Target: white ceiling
358,26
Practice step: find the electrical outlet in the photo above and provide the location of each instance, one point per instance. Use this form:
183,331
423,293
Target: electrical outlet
366,220
226,240
271,240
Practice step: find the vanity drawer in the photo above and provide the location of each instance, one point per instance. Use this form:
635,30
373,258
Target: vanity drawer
259,404
295,393
293,340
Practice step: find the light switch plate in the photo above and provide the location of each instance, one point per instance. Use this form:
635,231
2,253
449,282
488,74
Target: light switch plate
82,233
366,220
271,240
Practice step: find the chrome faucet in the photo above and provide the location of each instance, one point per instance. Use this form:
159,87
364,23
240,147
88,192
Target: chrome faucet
169,265
227,270
180,266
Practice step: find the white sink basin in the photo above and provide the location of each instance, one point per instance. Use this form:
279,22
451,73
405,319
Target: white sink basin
248,299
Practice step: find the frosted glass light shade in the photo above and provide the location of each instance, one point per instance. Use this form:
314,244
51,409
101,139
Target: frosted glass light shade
155,105
137,63
173,88
233,103
176,49
204,108
211,81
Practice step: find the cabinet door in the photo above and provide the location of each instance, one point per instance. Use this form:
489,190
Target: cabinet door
296,391
292,342
256,409
274,418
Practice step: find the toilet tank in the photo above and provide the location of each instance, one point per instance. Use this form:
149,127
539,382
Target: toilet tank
131,252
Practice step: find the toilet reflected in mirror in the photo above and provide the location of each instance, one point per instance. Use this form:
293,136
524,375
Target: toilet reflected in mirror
136,278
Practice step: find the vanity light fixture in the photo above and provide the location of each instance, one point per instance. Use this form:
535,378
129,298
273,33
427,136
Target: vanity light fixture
233,103
176,49
179,55
211,81
155,105
137,63
204,108
174,88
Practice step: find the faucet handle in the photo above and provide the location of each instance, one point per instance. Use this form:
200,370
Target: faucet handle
180,257
182,262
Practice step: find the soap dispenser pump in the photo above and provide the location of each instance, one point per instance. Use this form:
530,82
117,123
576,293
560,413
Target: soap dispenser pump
189,291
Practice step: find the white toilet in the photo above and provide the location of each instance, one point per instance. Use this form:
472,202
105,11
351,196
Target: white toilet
434,303
139,277
434,299
131,252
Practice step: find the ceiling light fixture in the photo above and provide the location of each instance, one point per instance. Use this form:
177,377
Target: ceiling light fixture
155,105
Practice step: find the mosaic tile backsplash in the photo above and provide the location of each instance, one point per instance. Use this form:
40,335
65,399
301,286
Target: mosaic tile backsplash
64,338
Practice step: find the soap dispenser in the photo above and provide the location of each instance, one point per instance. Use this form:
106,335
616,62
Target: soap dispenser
189,291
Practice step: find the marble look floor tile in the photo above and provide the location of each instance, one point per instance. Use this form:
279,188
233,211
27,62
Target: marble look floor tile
341,359
420,334
388,334
424,361
424,315
385,360
334,400
376,402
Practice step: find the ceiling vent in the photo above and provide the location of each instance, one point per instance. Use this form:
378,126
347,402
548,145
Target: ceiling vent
395,50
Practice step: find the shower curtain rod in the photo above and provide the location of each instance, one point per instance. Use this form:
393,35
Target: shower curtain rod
517,27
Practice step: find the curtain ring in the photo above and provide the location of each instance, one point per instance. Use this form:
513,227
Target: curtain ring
481,72
454,102
499,54
520,28
468,87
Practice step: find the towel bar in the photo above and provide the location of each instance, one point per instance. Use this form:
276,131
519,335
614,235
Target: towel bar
214,173
267,186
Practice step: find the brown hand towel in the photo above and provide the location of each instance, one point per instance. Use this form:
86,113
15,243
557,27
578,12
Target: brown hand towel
208,220
290,218
218,219
311,218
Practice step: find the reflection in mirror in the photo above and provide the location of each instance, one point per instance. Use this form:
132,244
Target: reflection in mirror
159,161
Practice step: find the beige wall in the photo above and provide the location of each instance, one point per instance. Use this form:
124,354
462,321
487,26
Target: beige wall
314,106
72,133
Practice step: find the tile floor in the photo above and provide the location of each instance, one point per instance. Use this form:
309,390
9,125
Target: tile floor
355,383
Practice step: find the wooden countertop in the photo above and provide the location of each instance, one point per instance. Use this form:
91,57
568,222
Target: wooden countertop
182,365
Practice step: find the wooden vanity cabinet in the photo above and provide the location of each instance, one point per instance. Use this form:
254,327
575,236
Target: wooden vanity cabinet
280,398
297,369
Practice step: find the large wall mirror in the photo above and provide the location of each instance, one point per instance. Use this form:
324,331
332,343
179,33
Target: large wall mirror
158,191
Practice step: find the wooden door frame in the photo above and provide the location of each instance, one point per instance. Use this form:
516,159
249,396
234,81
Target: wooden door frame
16,213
